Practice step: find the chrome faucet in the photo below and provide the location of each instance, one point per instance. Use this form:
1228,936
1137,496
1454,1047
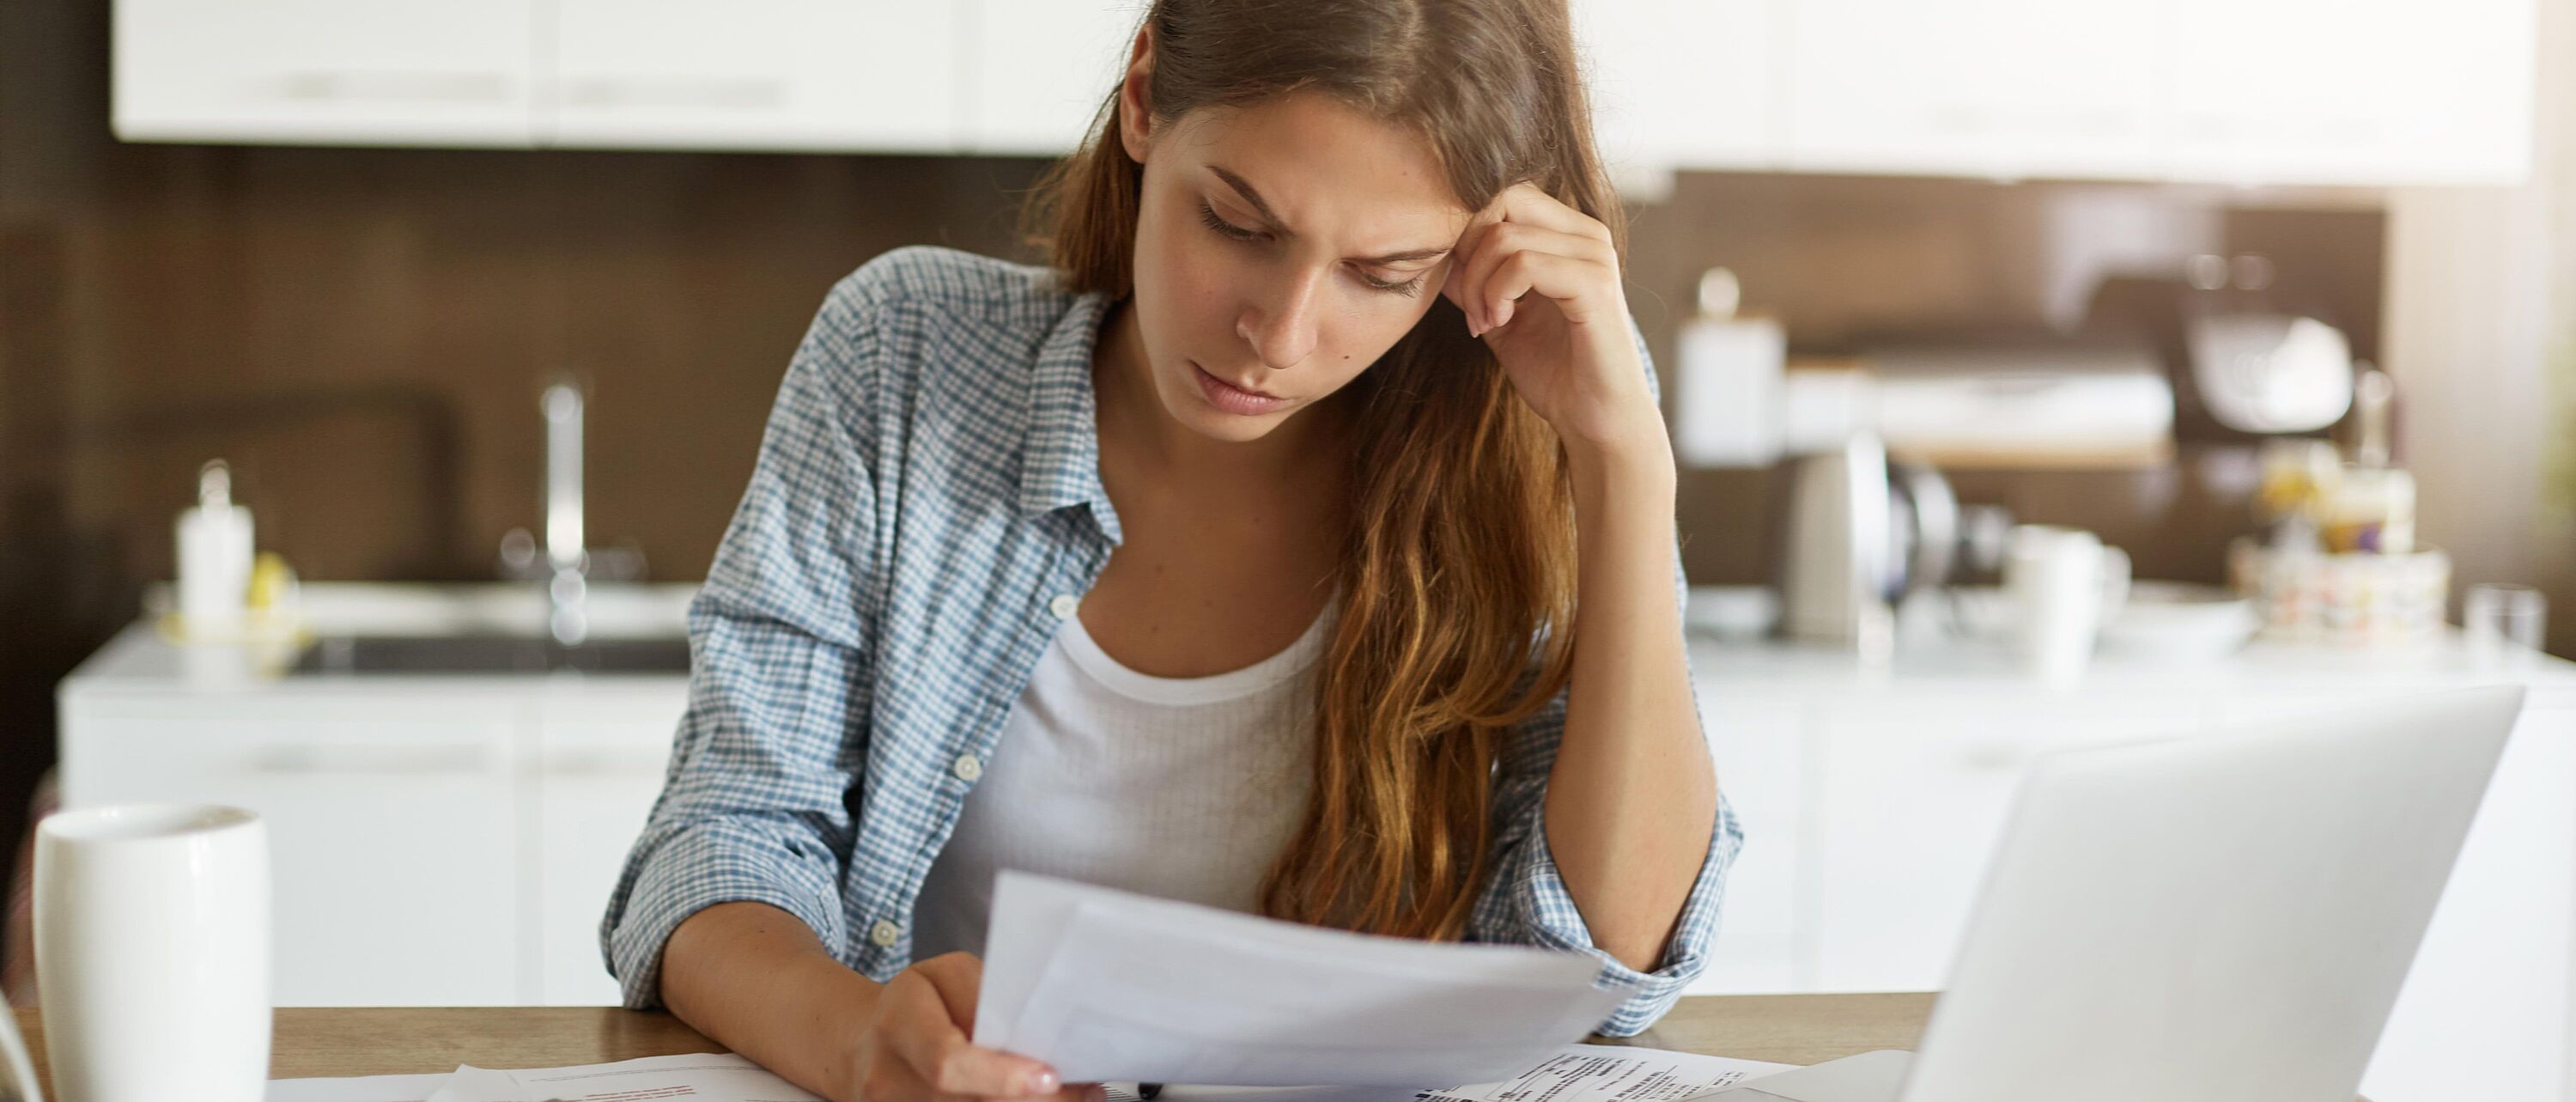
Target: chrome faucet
567,583
566,563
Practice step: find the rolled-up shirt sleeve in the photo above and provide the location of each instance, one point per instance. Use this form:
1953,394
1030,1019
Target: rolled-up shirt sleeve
1525,900
753,805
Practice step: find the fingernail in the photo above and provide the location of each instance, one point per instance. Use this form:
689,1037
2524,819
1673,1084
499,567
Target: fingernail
1041,1081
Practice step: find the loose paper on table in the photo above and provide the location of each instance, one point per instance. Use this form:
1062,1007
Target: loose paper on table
1106,985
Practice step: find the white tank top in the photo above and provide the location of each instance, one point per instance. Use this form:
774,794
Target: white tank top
1176,787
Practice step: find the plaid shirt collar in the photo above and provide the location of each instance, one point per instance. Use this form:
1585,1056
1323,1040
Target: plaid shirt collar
1060,464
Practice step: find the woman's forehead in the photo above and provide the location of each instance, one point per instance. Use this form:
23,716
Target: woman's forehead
1312,161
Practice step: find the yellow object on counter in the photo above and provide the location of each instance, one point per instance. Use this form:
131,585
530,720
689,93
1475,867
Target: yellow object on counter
273,613
272,582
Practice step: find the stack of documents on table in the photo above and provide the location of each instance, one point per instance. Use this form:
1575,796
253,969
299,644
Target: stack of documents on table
1573,1073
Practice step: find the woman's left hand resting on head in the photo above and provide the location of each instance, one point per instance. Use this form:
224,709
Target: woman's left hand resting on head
1540,282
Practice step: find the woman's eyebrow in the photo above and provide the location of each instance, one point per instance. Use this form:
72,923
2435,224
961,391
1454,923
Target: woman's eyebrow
1252,195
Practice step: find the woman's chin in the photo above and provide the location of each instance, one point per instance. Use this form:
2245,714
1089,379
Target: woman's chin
1232,427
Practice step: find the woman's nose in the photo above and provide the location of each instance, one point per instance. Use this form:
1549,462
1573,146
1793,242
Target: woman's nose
1282,330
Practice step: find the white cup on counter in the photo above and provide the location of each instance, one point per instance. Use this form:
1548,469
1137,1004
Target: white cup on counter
152,952
2061,584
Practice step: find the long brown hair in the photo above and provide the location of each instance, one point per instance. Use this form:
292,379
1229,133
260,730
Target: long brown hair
1458,564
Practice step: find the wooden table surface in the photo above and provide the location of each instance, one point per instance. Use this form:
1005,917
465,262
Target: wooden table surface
321,1041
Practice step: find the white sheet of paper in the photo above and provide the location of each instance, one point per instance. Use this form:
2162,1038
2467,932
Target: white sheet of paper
711,1077
371,1088
1106,985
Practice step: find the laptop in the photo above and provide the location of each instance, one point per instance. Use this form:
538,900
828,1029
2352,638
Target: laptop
2221,918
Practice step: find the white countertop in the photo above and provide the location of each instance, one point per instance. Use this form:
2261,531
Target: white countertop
142,659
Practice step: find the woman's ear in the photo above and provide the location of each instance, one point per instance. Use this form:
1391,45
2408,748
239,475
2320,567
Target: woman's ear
1135,101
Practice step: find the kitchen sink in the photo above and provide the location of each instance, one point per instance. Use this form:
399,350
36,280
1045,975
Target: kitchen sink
365,655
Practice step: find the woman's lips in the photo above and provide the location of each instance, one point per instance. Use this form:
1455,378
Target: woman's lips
1232,399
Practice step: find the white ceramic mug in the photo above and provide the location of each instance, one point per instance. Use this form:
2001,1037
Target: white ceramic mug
2062,584
152,953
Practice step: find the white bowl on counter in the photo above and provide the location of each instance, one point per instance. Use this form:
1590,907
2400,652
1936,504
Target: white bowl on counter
2180,621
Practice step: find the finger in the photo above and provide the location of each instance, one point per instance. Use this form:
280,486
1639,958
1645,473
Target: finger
1472,263
1569,281
1500,245
963,1068
1528,204
1454,286
1522,205
925,1039
966,1069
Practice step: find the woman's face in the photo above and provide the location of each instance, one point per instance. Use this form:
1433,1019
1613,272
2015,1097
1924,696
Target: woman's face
1280,249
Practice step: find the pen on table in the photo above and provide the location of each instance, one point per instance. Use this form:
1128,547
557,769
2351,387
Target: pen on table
1148,1091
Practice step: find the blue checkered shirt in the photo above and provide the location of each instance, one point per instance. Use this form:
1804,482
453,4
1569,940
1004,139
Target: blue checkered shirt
925,510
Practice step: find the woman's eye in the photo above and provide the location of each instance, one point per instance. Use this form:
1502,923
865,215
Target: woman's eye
1411,286
1208,215
1224,228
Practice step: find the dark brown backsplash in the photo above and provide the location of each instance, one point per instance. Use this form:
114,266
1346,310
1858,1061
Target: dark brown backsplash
363,334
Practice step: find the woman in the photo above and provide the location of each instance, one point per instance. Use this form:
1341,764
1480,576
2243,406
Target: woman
1236,558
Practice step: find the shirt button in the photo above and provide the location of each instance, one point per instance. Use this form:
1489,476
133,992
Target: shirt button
968,769
885,934
1063,605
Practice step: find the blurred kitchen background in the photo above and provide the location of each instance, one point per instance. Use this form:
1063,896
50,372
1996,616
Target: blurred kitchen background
2091,263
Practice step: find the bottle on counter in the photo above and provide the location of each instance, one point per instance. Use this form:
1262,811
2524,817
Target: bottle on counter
214,557
1727,402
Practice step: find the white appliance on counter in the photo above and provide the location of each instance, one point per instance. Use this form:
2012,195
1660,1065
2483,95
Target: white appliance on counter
2023,404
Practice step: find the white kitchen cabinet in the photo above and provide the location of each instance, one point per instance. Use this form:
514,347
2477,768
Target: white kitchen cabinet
1037,71
384,72
752,74
2369,92
1758,747
392,831
436,840
2484,1012
1683,84
1913,791
2231,91
599,763
1984,87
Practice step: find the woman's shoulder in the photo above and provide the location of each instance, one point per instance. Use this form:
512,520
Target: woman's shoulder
932,282
913,307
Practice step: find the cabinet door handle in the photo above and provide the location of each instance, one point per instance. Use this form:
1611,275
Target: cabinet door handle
395,760
375,87
647,93
1997,755
605,762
